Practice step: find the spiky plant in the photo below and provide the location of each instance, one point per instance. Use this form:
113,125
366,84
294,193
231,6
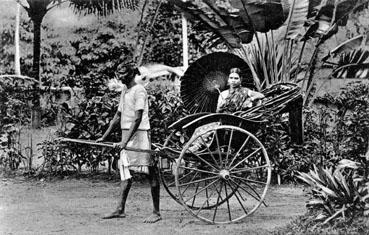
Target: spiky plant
343,192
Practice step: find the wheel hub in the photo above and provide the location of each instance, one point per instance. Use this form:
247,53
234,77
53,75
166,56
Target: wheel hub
224,174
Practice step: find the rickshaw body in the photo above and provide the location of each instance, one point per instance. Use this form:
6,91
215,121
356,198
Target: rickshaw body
218,170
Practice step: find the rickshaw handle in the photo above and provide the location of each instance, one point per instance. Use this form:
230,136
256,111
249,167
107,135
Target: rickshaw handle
107,144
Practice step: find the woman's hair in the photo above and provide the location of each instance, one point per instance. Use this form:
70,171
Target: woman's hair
235,70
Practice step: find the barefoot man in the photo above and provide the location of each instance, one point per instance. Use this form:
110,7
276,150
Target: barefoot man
134,121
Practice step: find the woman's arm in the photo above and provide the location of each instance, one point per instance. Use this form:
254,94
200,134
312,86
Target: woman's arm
221,100
255,95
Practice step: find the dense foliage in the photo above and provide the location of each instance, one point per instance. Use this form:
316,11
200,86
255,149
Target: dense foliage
92,118
336,130
343,192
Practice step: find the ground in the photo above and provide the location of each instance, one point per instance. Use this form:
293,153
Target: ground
75,206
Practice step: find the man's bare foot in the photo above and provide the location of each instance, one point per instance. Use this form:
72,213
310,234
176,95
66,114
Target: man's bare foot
152,218
115,214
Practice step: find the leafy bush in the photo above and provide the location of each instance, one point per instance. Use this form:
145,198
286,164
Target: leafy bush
340,126
88,121
91,120
337,128
10,154
286,157
98,55
62,157
343,192
306,225
165,107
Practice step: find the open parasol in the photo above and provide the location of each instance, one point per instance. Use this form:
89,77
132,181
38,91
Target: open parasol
207,77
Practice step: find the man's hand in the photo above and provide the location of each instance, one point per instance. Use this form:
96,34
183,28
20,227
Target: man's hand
120,145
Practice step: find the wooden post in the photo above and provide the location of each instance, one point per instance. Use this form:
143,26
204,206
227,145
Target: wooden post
30,152
295,120
185,42
16,42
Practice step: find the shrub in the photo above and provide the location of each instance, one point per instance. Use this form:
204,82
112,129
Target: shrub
10,153
343,192
341,124
165,108
92,118
286,157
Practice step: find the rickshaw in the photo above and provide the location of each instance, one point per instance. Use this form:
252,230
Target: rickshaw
211,163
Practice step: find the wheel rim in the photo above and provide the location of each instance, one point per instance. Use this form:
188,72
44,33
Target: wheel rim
167,165
168,168
228,178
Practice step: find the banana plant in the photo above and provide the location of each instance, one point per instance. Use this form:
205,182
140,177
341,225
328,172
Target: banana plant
348,60
273,51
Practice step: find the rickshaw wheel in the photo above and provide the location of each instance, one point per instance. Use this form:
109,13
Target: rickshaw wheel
229,177
168,166
175,141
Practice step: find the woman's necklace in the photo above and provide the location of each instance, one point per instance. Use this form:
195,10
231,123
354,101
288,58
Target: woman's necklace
234,89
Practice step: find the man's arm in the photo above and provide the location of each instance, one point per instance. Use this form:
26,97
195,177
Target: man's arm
132,129
112,123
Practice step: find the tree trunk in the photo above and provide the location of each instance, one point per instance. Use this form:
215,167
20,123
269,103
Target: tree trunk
36,48
36,108
16,41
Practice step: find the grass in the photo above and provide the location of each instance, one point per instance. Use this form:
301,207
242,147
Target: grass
306,225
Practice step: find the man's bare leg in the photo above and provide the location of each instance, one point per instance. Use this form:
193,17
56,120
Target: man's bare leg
155,194
125,186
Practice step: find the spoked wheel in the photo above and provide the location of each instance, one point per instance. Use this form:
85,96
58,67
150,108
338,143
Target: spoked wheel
229,177
175,141
168,167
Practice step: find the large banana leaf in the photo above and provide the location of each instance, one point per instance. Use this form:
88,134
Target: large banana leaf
326,15
236,21
297,18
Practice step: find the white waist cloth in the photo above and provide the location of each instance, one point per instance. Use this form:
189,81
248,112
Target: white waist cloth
136,161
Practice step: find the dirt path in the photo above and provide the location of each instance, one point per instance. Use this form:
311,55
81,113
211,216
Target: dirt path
75,206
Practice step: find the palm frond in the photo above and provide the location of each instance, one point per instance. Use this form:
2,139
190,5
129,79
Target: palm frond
354,64
348,45
102,7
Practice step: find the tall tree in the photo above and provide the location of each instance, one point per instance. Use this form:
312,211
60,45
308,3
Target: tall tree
37,9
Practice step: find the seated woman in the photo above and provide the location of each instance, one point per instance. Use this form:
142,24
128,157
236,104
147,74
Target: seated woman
236,98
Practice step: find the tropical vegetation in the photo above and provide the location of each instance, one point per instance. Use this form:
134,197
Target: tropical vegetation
282,41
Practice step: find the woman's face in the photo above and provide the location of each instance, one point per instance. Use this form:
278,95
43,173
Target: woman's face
234,80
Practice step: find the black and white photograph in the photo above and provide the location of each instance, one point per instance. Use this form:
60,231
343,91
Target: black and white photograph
161,117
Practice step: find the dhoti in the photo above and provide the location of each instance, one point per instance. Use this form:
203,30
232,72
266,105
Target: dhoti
135,161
